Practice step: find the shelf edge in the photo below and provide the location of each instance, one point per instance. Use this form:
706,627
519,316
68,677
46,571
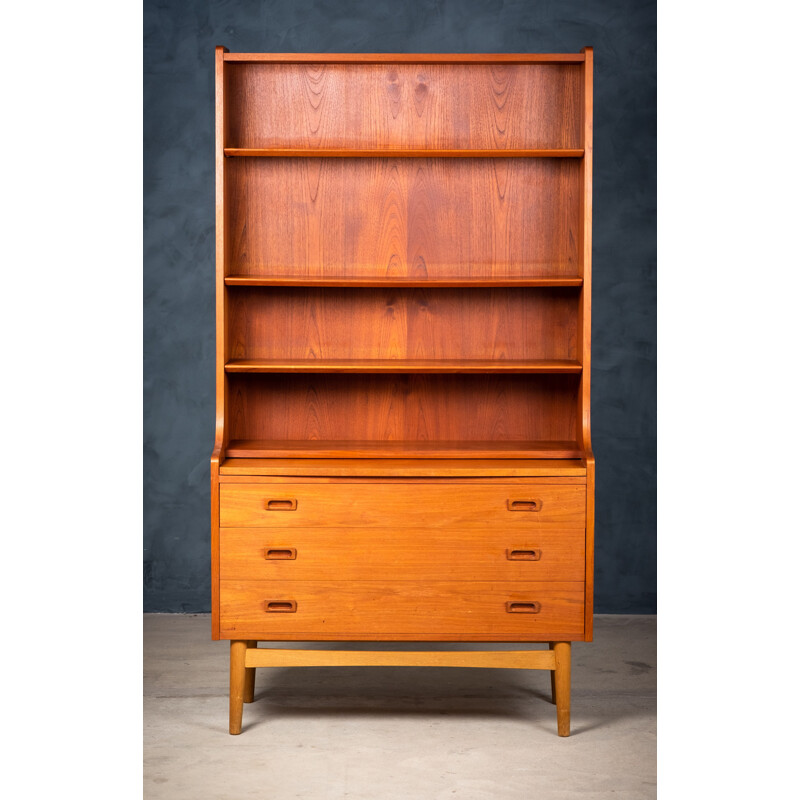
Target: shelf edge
348,152
409,282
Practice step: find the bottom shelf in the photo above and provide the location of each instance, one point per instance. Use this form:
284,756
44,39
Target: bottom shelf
260,448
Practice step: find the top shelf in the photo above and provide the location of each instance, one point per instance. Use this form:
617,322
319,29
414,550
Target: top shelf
408,58
396,152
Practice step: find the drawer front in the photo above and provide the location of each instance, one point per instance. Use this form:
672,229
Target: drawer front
545,554
507,506
415,610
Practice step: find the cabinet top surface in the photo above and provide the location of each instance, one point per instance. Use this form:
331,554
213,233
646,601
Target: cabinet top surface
404,467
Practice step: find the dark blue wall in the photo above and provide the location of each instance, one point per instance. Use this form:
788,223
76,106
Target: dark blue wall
179,38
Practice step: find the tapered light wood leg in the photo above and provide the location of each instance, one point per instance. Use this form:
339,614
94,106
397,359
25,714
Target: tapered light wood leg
249,679
238,680
563,670
552,679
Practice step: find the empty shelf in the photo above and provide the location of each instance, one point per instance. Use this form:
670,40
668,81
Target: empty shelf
393,365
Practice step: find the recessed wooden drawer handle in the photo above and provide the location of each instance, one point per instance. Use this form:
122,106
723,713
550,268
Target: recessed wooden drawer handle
280,553
282,505
523,608
524,505
280,606
523,555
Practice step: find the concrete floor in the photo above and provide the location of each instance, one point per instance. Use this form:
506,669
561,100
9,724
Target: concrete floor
404,733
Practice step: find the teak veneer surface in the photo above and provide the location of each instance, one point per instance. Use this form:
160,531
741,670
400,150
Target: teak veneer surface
424,610
421,409
403,216
379,448
402,467
358,554
496,326
285,278
416,106
404,58
394,152
392,365
400,506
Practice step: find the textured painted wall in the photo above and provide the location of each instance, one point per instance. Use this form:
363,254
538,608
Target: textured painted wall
179,248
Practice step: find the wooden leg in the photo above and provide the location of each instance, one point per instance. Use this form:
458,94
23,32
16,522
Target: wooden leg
563,651
552,679
249,679
238,681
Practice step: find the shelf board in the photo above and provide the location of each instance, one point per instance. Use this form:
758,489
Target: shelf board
408,58
344,281
404,467
396,152
259,448
393,365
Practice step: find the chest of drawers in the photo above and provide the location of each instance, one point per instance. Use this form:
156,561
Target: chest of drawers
403,346
388,560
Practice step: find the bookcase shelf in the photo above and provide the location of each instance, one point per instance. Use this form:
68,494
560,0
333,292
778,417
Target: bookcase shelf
427,152
396,365
402,281
261,448
407,58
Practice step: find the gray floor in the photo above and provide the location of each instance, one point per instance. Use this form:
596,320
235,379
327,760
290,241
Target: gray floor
373,733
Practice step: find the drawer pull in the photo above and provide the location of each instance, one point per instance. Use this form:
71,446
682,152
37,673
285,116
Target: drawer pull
523,608
280,553
524,505
523,555
282,505
280,606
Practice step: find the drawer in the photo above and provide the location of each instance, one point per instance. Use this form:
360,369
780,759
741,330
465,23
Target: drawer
545,554
406,505
414,610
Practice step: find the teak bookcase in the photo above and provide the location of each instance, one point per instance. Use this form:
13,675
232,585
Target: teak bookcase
403,346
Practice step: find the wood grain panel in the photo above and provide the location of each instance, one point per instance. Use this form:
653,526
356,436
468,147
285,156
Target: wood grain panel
392,152
478,106
403,407
241,468
359,554
494,659
372,449
454,281
404,217
393,365
400,506
496,324
585,329
383,610
409,58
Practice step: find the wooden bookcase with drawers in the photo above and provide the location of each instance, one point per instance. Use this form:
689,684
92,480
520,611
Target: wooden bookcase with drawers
403,348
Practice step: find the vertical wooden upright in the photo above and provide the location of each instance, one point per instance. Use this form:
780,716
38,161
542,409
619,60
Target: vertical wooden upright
585,323
220,440
403,446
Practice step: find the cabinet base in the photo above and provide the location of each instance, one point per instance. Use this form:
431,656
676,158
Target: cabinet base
246,656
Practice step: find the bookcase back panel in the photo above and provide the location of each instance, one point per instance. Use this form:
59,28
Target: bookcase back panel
497,324
403,407
404,216
410,106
